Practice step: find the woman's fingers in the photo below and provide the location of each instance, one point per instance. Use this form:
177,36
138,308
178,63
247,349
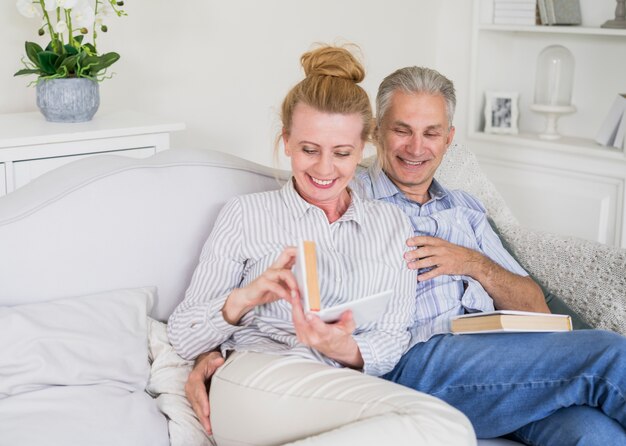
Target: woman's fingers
346,322
286,259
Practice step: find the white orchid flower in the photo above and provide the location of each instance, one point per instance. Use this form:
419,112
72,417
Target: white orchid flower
51,5
83,16
61,27
27,8
66,4
105,11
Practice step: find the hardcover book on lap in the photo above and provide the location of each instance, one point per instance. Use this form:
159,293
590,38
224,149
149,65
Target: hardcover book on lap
364,310
509,321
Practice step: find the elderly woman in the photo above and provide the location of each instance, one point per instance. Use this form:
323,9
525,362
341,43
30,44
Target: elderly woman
288,375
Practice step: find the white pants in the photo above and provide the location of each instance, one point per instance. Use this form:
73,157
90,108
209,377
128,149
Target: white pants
260,399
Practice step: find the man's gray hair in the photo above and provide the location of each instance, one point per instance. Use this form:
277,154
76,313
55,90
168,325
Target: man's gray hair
415,80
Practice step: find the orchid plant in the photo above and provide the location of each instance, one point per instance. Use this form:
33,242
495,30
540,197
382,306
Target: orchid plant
67,23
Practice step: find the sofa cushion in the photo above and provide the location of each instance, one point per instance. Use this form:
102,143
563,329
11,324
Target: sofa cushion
77,341
555,303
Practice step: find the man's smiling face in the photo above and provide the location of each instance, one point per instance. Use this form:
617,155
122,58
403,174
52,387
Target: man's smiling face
414,137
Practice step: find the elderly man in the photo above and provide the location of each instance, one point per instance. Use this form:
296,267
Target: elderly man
557,388
543,389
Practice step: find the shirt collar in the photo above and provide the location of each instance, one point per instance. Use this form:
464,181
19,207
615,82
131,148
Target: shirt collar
383,187
298,206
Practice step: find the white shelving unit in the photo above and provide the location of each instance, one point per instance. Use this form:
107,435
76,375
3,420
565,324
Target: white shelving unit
31,146
571,186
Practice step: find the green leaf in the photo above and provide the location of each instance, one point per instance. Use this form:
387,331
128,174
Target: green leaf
55,43
70,64
94,64
32,49
79,38
70,50
105,61
27,71
62,71
59,61
47,61
89,48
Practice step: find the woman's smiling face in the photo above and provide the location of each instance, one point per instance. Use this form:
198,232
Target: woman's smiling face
325,149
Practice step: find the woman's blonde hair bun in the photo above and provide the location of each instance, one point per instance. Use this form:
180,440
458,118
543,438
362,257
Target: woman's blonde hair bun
332,61
330,86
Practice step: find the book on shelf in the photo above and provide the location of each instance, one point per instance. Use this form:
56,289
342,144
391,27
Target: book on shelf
514,20
514,2
613,126
620,136
543,12
515,12
509,321
559,12
521,6
364,310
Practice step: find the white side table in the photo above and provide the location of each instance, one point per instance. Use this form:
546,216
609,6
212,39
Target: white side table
31,146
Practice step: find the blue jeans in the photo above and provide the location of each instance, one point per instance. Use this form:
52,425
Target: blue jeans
526,384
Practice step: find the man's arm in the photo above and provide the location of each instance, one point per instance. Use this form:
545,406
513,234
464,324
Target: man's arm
509,291
196,387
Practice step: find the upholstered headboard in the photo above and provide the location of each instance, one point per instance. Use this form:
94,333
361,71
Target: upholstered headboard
110,222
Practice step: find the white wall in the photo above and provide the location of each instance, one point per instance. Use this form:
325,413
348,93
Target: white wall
223,67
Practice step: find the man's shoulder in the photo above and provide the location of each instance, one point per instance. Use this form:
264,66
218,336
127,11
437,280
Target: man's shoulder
391,216
461,198
362,182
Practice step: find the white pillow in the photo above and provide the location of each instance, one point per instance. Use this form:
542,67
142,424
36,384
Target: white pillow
95,339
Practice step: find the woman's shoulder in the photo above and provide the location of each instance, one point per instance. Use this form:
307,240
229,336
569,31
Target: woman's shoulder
256,198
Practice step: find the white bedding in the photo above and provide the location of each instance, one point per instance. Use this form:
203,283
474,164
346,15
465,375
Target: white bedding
96,415
167,384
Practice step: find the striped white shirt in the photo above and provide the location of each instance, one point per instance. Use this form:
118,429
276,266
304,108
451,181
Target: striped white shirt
459,218
358,255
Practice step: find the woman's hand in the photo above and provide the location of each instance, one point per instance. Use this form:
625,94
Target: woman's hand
333,340
277,282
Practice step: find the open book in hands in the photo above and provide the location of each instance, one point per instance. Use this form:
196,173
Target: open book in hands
509,321
364,310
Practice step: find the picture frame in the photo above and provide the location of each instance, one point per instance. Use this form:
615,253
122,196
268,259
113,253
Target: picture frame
501,112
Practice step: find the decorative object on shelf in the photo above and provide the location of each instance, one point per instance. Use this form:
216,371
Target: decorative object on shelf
554,82
620,16
613,130
501,112
559,12
68,100
67,57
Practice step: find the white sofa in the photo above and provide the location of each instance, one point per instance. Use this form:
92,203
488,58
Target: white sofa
86,250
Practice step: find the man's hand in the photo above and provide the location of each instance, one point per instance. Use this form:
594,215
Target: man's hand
196,387
509,291
442,258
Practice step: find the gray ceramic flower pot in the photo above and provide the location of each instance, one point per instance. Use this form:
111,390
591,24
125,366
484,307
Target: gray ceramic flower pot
68,99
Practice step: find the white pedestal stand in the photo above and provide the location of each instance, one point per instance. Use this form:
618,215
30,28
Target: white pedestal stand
553,113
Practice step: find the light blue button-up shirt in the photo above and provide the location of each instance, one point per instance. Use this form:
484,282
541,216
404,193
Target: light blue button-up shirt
459,218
